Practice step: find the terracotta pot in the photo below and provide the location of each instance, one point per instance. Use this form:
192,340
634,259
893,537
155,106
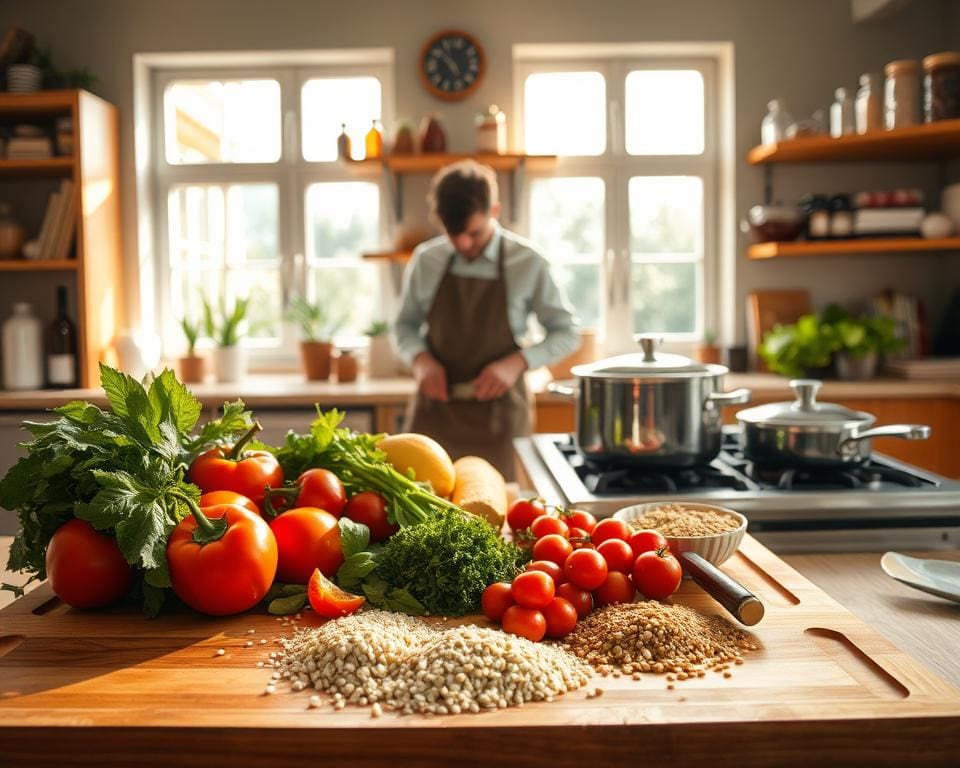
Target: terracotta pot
191,369
316,356
707,354
346,367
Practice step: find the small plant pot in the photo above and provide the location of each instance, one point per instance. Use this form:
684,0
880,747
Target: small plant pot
192,369
346,367
707,353
850,368
229,364
316,356
382,363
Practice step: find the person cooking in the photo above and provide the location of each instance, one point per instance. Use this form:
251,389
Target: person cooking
467,298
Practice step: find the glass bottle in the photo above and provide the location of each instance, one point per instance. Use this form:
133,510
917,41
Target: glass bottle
373,142
901,94
343,143
818,216
773,127
62,346
22,349
841,114
869,104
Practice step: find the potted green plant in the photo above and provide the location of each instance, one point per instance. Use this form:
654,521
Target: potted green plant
317,327
800,349
382,363
191,364
861,341
226,329
708,351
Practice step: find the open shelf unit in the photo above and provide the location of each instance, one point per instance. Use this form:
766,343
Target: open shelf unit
37,265
884,245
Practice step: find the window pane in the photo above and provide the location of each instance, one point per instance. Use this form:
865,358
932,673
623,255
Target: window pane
263,288
327,104
343,219
664,112
665,297
349,294
228,121
565,113
666,215
581,285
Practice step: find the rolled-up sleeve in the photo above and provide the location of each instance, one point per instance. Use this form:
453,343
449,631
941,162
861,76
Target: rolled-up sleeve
552,311
408,341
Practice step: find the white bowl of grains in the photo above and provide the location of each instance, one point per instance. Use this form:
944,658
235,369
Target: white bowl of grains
712,532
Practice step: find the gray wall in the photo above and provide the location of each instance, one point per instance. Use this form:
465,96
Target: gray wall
796,50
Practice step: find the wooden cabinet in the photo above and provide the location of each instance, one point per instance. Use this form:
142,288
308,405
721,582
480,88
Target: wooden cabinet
94,273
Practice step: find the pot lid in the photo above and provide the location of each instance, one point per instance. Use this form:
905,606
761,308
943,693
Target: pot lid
805,410
649,362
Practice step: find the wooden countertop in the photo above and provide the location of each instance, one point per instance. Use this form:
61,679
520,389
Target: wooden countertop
290,390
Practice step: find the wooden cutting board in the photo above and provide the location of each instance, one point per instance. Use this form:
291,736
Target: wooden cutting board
113,687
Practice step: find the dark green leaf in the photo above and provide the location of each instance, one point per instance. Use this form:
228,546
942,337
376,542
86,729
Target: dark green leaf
174,402
355,568
153,600
283,606
354,537
401,601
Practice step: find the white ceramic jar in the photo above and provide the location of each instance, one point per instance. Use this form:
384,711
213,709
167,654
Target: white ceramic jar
22,349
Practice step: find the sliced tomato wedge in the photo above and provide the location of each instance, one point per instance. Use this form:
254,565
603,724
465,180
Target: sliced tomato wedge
327,599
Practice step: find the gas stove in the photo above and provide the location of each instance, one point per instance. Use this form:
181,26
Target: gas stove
881,504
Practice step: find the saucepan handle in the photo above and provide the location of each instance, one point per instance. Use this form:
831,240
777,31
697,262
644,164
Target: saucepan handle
742,604
903,431
561,389
737,397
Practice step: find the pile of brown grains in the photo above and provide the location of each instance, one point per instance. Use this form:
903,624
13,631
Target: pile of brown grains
655,637
675,520
392,661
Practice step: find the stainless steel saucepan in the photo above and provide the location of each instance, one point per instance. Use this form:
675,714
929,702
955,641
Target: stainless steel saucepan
806,432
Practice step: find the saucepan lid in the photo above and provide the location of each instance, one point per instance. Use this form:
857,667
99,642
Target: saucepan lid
804,411
649,362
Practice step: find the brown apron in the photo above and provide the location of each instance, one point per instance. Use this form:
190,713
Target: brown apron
467,328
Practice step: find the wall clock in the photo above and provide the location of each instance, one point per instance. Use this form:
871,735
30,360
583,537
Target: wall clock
452,64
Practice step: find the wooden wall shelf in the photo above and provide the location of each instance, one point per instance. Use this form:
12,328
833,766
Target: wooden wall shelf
47,265
45,166
399,256
933,141
864,246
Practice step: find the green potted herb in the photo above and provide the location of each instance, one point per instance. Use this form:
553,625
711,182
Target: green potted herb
801,349
861,341
708,351
382,362
191,364
226,328
317,327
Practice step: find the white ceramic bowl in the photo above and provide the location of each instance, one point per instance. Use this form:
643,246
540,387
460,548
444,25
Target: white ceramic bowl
716,547
950,202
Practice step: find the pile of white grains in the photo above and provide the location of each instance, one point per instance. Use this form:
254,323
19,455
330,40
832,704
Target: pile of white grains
656,637
676,520
393,661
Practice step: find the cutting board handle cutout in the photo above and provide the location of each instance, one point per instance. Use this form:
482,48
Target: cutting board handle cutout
9,642
771,589
857,664
52,607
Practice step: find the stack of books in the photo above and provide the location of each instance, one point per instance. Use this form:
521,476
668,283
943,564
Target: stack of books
925,368
59,223
29,147
910,317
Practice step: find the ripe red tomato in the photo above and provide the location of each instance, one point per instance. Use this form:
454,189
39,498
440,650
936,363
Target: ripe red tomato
561,617
610,529
533,589
85,567
657,574
496,599
586,568
580,599
580,539
213,498
616,588
547,524
618,555
552,547
525,622
523,512
249,473
579,518
307,538
370,508
328,600
322,489
226,575
550,568
646,540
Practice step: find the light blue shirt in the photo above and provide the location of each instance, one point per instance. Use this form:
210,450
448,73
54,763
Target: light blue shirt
531,290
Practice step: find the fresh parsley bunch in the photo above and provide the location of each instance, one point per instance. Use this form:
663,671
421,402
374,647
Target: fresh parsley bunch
122,469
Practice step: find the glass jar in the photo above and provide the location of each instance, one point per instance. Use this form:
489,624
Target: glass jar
817,210
901,94
22,349
491,129
773,127
841,114
869,104
941,86
841,217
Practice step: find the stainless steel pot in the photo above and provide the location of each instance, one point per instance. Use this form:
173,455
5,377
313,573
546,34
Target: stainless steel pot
805,432
650,409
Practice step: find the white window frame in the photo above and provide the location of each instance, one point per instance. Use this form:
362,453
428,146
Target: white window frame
716,305
292,174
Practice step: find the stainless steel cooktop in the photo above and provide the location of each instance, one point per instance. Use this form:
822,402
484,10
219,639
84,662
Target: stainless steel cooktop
882,504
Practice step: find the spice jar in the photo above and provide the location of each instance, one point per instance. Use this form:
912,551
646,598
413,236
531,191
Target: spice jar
491,128
869,104
941,86
901,94
773,127
817,210
841,217
841,114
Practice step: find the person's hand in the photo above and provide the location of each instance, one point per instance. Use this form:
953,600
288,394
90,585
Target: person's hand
430,377
497,377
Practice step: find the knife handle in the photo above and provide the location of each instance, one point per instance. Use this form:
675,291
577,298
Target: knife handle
741,603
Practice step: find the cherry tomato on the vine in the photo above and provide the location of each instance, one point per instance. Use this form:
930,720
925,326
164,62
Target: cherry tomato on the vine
370,509
547,524
523,512
561,617
496,599
524,622
580,518
657,574
307,538
586,568
580,599
533,589
646,540
616,588
552,547
552,569
618,555
322,489
580,539
610,529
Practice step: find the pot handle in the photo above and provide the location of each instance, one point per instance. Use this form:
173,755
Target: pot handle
742,604
903,431
561,389
737,397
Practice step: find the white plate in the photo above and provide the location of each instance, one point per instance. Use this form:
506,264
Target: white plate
938,577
